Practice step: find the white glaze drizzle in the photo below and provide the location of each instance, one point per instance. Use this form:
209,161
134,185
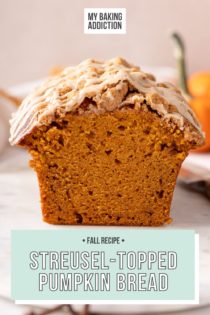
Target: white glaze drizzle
66,92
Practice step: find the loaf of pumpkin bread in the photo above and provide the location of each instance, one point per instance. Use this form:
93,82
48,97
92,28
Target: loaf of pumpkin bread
107,142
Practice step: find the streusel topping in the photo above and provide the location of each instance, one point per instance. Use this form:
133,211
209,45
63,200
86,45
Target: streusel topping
103,87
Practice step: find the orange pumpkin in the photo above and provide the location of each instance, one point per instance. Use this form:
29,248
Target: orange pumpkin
199,88
201,107
196,89
199,84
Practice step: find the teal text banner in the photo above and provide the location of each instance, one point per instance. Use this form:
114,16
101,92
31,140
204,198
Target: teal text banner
105,264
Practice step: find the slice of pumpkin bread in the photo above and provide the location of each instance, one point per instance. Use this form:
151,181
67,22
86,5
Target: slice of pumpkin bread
107,142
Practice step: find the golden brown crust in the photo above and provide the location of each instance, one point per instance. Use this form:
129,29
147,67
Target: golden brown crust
106,87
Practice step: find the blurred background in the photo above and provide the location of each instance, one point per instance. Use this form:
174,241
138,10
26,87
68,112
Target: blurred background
37,35
40,35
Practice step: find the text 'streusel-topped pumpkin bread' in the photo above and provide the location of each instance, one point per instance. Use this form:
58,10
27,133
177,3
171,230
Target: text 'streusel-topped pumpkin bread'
107,142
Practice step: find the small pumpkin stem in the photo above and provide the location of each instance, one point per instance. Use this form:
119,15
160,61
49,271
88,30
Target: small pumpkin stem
179,54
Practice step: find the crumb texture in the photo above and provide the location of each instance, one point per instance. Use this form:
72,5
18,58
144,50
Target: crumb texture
107,142
117,168
100,87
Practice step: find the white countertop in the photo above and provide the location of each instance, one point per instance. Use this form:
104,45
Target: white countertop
20,209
